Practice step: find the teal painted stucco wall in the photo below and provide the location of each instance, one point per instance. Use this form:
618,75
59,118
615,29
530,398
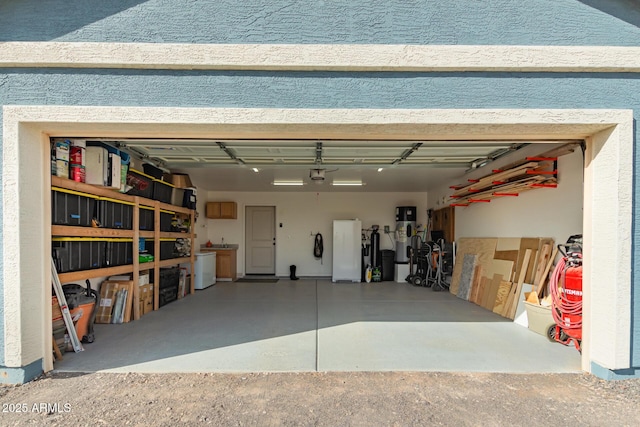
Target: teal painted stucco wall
531,22
492,22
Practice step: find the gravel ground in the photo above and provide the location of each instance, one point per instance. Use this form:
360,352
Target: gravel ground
323,399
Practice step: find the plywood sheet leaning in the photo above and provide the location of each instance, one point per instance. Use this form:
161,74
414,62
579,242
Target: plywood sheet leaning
508,244
484,248
545,241
493,291
476,287
508,256
466,277
463,247
545,276
532,243
502,297
541,262
483,297
516,290
499,268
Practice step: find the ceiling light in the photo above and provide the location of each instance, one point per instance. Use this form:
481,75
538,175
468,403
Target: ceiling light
289,182
256,170
347,183
380,169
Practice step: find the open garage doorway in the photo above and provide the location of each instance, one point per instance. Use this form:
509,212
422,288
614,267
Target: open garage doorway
607,192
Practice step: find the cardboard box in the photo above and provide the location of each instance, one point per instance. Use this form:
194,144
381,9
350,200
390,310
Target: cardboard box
539,317
108,291
105,305
146,299
143,277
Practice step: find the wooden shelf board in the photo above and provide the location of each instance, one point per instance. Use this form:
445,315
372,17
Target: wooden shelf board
75,276
97,190
69,184
73,231
165,234
173,208
174,261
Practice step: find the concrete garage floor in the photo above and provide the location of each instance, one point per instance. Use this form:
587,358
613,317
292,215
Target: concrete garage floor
315,325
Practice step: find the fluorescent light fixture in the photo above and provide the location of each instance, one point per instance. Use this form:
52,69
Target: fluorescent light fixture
288,182
380,169
348,183
256,170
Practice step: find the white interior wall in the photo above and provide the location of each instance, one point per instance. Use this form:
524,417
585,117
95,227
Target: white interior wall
545,212
303,214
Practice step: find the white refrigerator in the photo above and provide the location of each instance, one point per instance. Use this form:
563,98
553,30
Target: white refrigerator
347,250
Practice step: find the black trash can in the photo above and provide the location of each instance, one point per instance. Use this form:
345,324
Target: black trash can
388,257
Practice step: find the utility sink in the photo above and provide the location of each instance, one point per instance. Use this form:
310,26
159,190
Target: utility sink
220,246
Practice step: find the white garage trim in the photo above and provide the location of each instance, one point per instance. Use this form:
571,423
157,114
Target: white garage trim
608,192
308,57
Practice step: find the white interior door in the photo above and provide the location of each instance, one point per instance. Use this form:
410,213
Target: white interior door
260,240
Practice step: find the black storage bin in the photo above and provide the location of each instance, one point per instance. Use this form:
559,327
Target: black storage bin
167,248
118,252
388,257
141,183
77,253
146,218
166,218
70,207
113,213
167,285
153,171
189,199
167,295
162,191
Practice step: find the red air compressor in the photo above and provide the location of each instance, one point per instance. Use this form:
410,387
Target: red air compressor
566,294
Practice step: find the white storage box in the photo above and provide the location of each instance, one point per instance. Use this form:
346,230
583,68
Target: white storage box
540,318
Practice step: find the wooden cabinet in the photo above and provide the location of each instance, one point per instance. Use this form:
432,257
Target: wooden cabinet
226,260
134,235
213,210
444,220
225,264
221,210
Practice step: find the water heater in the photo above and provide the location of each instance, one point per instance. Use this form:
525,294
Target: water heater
405,228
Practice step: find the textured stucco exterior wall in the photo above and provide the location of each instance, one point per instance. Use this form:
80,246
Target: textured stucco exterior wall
318,90
447,22
456,22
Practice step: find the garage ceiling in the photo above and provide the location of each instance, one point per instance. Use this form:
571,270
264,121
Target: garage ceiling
381,165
